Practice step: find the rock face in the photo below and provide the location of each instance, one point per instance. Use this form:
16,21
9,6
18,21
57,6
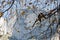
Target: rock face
17,22
3,26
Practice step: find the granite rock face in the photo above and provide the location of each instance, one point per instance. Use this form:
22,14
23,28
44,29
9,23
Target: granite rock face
22,15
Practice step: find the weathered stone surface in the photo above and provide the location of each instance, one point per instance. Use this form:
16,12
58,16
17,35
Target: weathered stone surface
22,15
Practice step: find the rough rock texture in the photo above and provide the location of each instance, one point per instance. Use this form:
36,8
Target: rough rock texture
22,16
